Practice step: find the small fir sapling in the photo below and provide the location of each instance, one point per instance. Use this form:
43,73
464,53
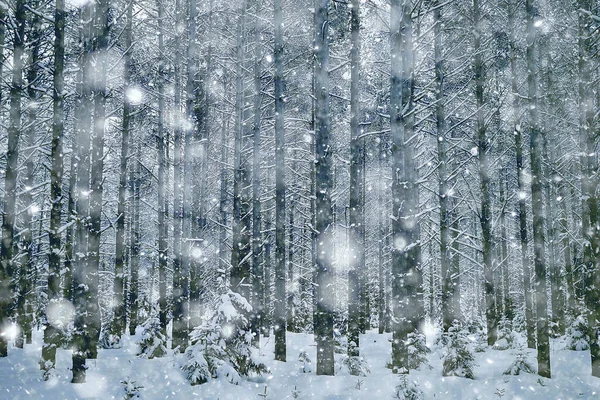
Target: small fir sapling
222,345
577,337
153,343
520,365
306,362
407,390
505,338
458,359
356,365
132,390
417,350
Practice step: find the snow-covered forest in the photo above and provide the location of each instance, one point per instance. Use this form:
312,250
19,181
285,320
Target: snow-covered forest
318,199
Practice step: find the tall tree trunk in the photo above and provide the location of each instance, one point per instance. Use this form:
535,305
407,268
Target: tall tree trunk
257,248
589,183
79,262
536,149
504,270
449,280
356,239
240,267
51,333
102,27
522,190
180,126
134,263
27,265
120,316
7,267
383,316
483,148
279,320
323,318
406,277
160,149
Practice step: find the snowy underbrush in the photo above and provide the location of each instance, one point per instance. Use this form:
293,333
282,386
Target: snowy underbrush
153,343
222,345
520,364
458,358
576,335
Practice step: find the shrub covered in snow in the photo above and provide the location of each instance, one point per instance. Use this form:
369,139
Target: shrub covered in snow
407,390
153,343
506,336
222,345
355,365
520,364
131,389
306,362
417,350
577,338
458,359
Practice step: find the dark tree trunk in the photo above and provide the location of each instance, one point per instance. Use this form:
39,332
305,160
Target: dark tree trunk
120,316
135,242
356,239
257,248
27,265
102,27
160,149
51,333
323,315
80,255
406,277
279,320
483,148
536,149
522,190
7,267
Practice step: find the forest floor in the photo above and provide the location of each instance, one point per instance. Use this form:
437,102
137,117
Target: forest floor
20,377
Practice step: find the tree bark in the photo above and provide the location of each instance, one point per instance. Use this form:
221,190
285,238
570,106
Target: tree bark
323,315
51,333
7,267
536,149
279,320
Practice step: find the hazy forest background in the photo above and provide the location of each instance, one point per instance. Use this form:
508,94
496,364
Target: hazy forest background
204,175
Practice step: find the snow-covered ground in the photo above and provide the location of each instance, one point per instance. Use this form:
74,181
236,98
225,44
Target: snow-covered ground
20,377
